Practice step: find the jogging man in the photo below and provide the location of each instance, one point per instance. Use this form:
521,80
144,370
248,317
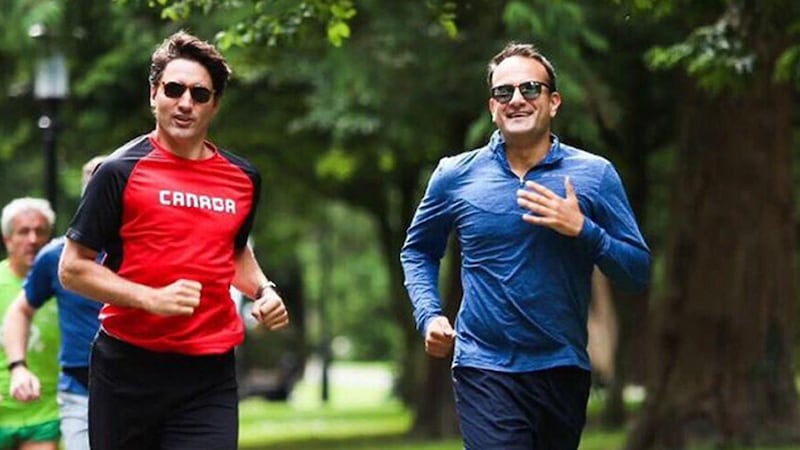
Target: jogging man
172,211
27,224
533,216
78,322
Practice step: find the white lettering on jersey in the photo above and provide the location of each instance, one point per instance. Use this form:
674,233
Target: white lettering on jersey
199,201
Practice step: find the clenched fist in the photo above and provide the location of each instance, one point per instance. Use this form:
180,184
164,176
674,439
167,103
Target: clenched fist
270,311
24,386
439,337
180,298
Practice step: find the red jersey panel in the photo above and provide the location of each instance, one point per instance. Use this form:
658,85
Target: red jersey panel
161,218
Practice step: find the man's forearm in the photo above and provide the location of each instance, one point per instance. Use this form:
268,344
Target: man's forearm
249,277
16,329
79,272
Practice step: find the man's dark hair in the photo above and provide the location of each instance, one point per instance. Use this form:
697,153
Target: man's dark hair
183,45
524,50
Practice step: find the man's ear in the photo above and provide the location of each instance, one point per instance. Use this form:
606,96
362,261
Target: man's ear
555,102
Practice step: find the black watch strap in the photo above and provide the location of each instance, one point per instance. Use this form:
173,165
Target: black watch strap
19,362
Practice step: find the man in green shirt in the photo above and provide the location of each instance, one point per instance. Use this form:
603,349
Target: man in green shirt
26,226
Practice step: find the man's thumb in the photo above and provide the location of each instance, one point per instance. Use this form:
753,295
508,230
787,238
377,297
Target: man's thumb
569,187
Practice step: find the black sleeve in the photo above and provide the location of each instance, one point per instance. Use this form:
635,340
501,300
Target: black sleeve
247,226
255,177
97,220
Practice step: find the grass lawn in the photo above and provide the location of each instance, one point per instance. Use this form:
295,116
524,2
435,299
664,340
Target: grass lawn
361,415
276,426
360,406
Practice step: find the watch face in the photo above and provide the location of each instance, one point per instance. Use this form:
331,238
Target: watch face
264,287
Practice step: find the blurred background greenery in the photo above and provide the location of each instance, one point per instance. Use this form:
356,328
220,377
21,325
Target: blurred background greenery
347,105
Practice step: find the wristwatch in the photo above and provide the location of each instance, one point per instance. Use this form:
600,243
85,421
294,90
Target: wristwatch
269,284
19,362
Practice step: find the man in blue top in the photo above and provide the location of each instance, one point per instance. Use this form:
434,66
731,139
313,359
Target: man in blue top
78,322
533,217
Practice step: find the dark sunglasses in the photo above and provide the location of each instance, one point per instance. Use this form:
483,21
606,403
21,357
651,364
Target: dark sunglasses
173,89
530,90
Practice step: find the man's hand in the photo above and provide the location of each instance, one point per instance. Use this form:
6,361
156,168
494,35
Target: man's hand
180,298
439,337
560,214
24,385
270,311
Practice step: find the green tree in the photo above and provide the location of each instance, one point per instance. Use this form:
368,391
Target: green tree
723,331
106,48
387,104
637,138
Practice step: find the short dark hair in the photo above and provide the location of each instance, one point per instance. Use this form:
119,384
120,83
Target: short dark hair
524,50
182,45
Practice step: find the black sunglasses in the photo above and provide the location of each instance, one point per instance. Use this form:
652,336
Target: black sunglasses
173,89
530,90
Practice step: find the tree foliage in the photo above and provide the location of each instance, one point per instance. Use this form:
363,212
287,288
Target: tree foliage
346,105
725,290
721,51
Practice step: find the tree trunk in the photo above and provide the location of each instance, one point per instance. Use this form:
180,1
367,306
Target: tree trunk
391,240
630,311
723,332
602,326
633,140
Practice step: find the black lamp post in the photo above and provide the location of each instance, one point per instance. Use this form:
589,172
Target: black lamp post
51,87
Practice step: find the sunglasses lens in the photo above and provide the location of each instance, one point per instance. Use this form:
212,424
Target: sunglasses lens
503,93
173,89
530,90
200,94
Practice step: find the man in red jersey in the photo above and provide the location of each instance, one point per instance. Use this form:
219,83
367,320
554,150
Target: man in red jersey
172,212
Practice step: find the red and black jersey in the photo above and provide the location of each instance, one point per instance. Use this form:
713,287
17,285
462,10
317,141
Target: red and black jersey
160,218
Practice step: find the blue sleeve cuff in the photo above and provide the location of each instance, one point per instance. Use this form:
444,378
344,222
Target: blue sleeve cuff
425,320
591,234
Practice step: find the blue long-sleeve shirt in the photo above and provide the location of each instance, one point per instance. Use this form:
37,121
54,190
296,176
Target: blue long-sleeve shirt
526,288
